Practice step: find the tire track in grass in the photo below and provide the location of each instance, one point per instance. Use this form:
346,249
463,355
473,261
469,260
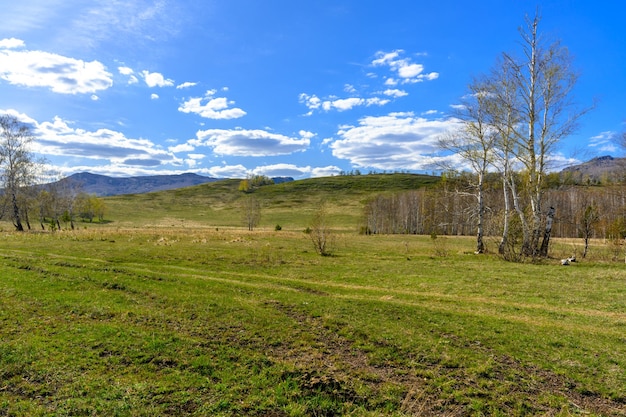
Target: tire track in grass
347,361
475,305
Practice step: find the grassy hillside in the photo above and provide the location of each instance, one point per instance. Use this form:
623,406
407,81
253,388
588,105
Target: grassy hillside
289,204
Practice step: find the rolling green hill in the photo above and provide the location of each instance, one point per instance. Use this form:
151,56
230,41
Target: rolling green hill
289,204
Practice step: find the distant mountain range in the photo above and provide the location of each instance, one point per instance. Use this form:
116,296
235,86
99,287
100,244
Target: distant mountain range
102,185
596,170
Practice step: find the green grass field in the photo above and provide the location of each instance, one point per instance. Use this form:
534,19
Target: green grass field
181,312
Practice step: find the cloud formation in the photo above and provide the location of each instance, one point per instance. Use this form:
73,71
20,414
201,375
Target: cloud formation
214,107
60,74
295,171
59,138
185,85
239,142
312,102
406,71
155,79
604,142
392,142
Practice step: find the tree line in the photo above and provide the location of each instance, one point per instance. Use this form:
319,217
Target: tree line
27,200
449,208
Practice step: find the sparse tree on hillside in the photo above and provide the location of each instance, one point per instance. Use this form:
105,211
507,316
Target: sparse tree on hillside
589,219
251,211
320,232
17,167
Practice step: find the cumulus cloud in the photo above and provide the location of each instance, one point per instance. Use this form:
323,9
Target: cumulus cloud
213,108
183,147
395,141
125,70
59,73
60,138
155,79
132,78
312,102
395,93
239,142
11,43
228,171
154,96
406,71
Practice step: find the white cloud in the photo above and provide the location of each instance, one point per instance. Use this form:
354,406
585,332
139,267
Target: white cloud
395,141
312,102
410,70
95,97
11,43
60,74
60,138
349,88
155,79
407,71
183,147
154,96
241,142
228,171
306,134
186,85
387,58
605,142
282,170
326,171
395,93
125,70
214,108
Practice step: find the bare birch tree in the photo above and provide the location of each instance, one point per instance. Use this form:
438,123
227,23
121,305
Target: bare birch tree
251,211
474,143
17,167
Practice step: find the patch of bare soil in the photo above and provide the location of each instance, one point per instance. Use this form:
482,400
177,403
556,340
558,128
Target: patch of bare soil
330,363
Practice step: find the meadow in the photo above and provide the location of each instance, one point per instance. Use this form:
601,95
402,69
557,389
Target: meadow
172,308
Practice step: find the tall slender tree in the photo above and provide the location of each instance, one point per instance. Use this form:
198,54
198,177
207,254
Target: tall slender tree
474,142
17,166
544,80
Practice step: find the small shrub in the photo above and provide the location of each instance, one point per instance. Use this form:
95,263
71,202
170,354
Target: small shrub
278,227
440,245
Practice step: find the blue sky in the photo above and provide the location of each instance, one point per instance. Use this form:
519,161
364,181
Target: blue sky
281,87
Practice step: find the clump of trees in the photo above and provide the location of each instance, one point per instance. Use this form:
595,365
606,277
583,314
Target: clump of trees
25,197
512,121
254,181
